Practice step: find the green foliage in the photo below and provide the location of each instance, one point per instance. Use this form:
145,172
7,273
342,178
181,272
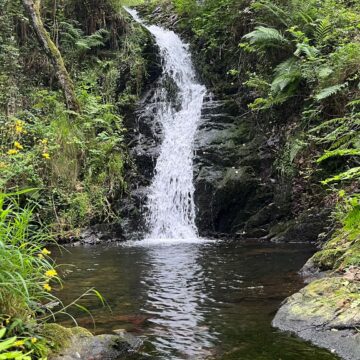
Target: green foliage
329,91
185,6
337,153
27,278
27,275
317,61
8,348
75,43
263,37
24,262
287,76
351,174
343,250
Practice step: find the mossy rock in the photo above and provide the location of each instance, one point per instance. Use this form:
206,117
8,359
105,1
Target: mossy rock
329,302
328,258
85,346
339,253
59,335
326,312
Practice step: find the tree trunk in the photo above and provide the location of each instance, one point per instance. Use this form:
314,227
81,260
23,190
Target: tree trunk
32,8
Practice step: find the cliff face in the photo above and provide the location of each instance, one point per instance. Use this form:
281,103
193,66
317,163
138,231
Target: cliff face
239,189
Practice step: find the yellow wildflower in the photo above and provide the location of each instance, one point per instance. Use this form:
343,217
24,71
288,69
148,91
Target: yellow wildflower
51,273
34,340
44,141
47,287
46,156
19,129
41,256
12,152
19,343
45,251
18,145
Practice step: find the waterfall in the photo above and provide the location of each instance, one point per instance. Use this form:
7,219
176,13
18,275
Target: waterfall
179,99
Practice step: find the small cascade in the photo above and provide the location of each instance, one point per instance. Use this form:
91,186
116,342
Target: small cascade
178,100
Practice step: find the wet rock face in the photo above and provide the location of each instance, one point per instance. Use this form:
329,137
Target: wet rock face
143,138
304,228
230,166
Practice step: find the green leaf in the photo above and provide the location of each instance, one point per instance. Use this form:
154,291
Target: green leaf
329,91
352,174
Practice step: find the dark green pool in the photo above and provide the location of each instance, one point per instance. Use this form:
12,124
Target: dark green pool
207,300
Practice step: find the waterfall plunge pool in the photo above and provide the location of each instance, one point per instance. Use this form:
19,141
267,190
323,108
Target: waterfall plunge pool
201,300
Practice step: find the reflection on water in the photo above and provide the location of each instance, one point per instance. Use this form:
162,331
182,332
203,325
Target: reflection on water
176,292
201,300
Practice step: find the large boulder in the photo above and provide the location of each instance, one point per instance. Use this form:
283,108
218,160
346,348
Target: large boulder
327,313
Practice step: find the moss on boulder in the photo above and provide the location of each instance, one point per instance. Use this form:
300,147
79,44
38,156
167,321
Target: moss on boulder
326,312
339,253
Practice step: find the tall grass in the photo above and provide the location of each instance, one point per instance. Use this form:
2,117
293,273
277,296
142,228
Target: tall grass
26,270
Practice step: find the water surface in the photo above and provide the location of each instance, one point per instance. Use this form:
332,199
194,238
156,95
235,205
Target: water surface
201,300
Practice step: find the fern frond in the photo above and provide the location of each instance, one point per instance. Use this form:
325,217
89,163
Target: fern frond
305,49
287,73
264,37
328,123
329,91
338,153
278,13
70,33
322,30
306,18
345,140
352,174
92,41
324,72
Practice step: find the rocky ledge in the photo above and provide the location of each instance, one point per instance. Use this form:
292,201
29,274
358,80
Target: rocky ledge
327,313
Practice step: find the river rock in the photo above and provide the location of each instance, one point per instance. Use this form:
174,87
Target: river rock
327,313
84,346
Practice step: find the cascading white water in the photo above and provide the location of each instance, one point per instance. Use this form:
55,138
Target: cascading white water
171,195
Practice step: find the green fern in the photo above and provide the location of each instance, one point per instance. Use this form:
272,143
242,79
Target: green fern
328,124
322,30
287,77
92,41
309,51
337,153
330,91
278,13
265,37
351,174
74,39
324,72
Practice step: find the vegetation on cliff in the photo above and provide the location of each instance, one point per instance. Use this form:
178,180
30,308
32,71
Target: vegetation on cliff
76,158
68,75
299,63
71,71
